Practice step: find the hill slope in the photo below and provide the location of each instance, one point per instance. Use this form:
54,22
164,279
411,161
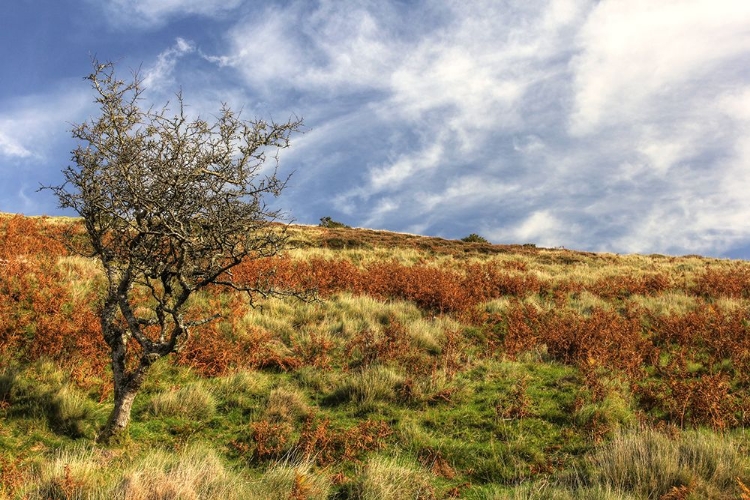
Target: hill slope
429,368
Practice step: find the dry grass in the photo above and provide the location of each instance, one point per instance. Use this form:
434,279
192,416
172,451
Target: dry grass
672,302
286,404
649,464
82,275
393,478
193,401
83,472
291,481
196,473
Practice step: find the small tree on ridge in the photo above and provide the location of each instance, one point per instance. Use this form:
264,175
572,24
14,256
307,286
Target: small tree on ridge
170,205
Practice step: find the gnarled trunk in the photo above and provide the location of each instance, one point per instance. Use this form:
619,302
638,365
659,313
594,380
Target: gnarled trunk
120,417
126,383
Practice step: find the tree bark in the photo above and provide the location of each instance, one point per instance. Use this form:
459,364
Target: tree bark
120,417
126,384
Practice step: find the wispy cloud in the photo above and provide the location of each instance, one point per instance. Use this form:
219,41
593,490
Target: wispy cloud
580,123
540,227
159,75
11,146
154,13
35,145
593,124
30,127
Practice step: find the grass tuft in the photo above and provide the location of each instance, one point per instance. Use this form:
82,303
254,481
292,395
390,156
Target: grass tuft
73,473
369,386
196,473
650,464
394,478
192,401
70,412
286,405
289,481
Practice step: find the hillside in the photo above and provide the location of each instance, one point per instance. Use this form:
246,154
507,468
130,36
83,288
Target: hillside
427,368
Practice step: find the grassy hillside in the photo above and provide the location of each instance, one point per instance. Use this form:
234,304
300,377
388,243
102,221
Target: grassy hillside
428,369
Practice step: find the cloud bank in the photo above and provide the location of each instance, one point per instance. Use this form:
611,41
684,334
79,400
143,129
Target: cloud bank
598,125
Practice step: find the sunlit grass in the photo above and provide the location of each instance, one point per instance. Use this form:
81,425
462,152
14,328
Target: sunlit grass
393,478
82,274
649,464
193,401
673,302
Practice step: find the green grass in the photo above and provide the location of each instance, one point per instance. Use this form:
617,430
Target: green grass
502,429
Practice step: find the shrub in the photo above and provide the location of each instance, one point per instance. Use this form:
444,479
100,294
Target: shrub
13,477
474,238
329,223
373,346
270,439
733,282
326,445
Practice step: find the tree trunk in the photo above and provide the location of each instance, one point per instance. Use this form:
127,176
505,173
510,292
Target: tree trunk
126,385
120,417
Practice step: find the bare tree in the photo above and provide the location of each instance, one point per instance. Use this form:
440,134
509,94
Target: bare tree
170,205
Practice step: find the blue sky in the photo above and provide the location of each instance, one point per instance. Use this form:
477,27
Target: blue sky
610,125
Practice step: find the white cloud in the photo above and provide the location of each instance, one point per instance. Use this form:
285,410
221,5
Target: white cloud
393,175
734,185
11,146
33,124
151,13
736,104
383,208
528,144
465,194
541,227
662,154
322,48
637,56
476,90
159,75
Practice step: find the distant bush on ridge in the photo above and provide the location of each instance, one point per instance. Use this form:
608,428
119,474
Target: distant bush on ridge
474,238
331,224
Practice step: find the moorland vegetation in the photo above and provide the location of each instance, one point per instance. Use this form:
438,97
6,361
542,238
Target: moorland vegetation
426,368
